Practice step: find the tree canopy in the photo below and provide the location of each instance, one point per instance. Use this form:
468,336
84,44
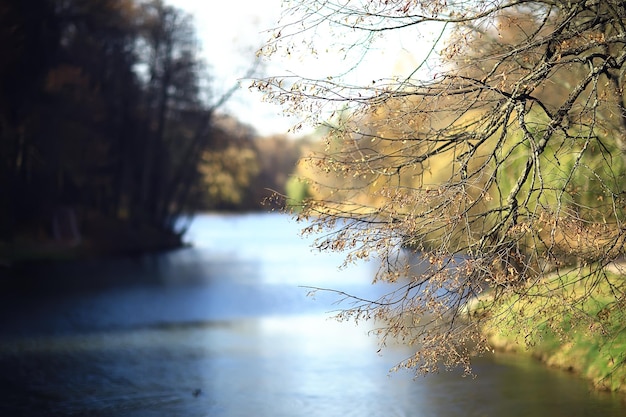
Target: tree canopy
490,173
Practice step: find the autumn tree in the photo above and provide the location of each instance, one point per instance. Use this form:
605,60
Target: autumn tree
493,171
242,171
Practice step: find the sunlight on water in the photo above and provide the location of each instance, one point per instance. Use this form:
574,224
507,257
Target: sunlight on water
275,240
306,365
226,329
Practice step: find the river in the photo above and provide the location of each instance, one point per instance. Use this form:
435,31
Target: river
225,328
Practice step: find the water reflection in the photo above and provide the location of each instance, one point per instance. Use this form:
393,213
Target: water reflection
225,329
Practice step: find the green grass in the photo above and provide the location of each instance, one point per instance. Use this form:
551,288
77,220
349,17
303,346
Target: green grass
575,321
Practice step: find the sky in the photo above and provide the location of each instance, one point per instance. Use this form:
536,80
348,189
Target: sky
231,32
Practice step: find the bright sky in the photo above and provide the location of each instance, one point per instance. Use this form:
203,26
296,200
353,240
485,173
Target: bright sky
232,31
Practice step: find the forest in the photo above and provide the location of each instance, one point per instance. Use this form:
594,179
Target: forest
111,131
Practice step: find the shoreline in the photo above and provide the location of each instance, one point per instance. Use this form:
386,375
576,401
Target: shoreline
587,339
566,359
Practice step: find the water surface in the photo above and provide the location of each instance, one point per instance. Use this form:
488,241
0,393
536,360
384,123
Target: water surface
225,328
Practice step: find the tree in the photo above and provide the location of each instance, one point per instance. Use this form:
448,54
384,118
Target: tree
278,156
105,115
28,40
500,171
169,51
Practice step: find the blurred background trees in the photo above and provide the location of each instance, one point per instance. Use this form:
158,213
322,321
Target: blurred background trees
110,129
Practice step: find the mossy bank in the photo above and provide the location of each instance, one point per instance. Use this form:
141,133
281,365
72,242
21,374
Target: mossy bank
570,321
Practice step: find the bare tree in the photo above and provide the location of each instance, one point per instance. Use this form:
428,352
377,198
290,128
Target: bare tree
496,176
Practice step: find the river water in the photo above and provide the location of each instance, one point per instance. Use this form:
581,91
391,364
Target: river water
226,329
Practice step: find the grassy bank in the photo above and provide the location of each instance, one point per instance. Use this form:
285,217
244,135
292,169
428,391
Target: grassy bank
574,321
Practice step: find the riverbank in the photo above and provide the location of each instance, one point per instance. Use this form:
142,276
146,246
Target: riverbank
572,322
98,237
583,356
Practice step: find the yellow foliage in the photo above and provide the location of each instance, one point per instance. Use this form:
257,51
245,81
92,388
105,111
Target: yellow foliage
228,172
